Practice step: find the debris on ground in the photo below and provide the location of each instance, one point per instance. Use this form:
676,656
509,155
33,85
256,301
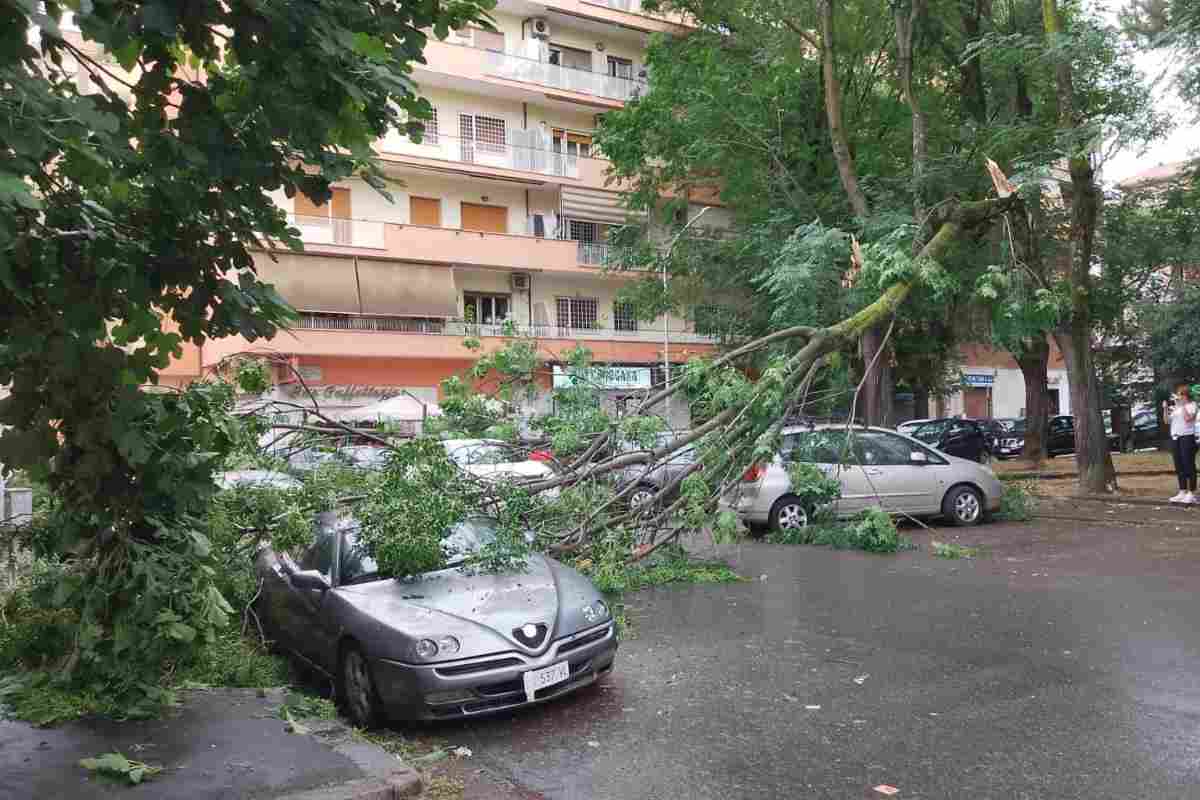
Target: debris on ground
292,726
462,752
861,679
886,790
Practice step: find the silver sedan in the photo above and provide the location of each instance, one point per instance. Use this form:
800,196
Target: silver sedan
877,468
440,645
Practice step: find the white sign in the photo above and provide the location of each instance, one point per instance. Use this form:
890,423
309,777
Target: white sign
603,377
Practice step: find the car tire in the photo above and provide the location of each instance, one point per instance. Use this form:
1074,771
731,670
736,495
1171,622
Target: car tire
789,513
963,506
356,688
642,494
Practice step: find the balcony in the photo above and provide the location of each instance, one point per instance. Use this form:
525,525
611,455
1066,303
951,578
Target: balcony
522,152
531,70
463,328
344,232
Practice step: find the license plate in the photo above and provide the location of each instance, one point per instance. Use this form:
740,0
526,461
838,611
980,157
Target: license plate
541,678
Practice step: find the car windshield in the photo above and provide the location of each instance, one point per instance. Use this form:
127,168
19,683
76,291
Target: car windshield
930,432
1016,426
467,537
472,453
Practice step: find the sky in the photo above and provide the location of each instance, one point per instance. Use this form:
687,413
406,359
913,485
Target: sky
1184,141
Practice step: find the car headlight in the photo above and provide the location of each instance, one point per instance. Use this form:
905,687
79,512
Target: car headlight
427,649
596,612
448,645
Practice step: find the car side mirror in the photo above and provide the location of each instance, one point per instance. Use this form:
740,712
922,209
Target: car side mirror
917,457
309,579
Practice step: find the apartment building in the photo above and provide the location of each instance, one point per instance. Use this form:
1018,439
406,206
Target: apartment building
499,214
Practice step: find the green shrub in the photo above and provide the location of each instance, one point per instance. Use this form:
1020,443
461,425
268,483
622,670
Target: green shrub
1018,503
951,550
873,531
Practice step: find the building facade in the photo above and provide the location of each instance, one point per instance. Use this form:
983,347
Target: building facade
995,386
496,222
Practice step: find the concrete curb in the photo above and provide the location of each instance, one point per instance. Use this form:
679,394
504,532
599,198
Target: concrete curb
402,783
1052,476
1134,501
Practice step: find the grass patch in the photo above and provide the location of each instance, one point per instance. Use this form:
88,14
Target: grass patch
951,550
1018,502
442,787
300,705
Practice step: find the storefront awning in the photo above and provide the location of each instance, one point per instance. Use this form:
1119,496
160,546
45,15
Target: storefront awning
400,288
596,205
311,283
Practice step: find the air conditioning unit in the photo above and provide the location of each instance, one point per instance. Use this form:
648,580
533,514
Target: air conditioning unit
520,281
541,28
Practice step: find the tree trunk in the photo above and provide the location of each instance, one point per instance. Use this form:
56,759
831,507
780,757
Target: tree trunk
1033,362
920,402
1074,336
877,397
1092,457
833,111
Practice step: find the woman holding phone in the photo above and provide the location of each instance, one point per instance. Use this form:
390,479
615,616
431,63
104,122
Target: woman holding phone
1183,443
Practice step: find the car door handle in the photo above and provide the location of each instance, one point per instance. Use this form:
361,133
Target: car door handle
874,471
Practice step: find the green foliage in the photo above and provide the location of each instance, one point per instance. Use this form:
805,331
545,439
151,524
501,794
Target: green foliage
1018,502
128,217
606,563
117,766
235,660
300,705
817,490
951,550
875,531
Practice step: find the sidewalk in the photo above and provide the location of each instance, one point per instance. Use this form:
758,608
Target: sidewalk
222,743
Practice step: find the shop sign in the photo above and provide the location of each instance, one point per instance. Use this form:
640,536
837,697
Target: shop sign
346,392
603,377
978,380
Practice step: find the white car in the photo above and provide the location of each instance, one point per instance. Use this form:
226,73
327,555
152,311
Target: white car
495,460
259,478
882,469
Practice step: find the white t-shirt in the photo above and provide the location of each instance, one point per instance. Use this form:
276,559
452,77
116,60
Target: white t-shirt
1181,426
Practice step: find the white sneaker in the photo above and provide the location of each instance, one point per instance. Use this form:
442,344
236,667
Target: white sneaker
1178,498
1189,499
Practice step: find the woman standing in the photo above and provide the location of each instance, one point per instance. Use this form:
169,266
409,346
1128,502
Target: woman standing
1183,444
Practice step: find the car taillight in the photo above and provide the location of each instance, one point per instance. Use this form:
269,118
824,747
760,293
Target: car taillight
541,455
753,474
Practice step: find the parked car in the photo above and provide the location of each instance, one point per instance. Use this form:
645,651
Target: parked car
650,481
492,458
439,645
265,478
963,438
908,427
1060,435
992,429
877,468
1012,440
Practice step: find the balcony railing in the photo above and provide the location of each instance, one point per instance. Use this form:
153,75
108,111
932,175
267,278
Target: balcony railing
329,230
463,328
530,70
528,157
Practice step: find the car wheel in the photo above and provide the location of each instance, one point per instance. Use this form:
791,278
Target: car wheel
963,506
789,514
642,497
356,689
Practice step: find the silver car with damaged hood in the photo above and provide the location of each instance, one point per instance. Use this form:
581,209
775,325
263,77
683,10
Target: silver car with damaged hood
440,645
877,468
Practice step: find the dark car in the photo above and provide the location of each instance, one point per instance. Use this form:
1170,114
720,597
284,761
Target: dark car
963,438
992,428
1011,442
1143,433
1060,435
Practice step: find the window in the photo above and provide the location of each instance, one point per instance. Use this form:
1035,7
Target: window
320,555
335,214
486,309
815,447
571,144
883,449
713,320
570,57
620,68
576,312
431,129
625,317
578,231
354,565
478,133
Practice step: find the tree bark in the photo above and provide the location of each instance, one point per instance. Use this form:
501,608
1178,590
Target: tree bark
833,111
920,402
1033,362
877,398
1074,336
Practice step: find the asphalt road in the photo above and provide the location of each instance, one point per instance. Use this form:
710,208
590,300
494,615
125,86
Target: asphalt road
1063,662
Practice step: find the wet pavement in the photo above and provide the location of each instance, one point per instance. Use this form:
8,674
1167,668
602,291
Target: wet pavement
1062,662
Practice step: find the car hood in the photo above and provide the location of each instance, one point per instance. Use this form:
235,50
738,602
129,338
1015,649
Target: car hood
483,611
